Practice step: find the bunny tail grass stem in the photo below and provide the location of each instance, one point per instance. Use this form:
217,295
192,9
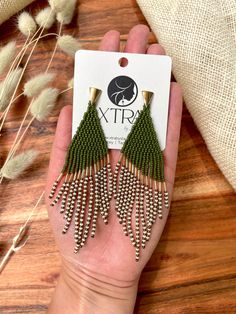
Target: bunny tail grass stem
25,66
26,45
40,37
22,136
17,97
39,108
65,90
33,210
43,36
21,57
21,54
55,48
15,144
16,242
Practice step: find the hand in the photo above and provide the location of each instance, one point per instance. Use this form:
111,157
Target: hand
104,274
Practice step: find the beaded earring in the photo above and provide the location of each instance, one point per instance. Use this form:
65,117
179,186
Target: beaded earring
139,178
88,181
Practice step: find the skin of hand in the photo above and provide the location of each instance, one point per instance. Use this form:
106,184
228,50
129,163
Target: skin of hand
103,277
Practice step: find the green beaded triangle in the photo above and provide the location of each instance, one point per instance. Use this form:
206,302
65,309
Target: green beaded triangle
88,145
142,148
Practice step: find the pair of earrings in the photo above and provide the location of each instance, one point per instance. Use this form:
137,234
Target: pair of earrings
137,183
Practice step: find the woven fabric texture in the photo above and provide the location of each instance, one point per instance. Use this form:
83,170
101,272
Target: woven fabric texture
10,7
200,36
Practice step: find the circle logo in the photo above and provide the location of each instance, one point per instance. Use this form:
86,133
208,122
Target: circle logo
122,91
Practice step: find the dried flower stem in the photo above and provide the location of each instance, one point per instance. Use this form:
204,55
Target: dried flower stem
22,136
16,242
16,58
43,36
50,95
25,66
65,90
21,54
15,144
11,101
4,112
55,48
18,96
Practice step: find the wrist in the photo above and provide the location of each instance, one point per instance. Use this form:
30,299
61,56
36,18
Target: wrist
82,291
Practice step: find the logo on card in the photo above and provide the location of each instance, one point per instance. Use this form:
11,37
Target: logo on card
122,91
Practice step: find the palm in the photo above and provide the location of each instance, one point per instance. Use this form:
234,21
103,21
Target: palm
110,252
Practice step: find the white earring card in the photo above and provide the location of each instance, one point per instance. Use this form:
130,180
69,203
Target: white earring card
121,88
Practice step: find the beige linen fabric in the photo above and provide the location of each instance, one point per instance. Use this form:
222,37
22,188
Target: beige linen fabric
200,36
10,7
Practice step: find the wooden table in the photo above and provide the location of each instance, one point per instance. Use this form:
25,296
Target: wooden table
192,270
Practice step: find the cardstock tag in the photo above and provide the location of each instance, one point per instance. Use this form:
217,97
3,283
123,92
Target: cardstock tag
121,99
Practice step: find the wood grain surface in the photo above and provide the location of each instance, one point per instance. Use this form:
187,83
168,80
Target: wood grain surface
193,269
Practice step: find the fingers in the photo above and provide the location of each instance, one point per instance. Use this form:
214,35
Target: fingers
156,49
174,122
136,42
173,132
110,41
137,39
60,145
